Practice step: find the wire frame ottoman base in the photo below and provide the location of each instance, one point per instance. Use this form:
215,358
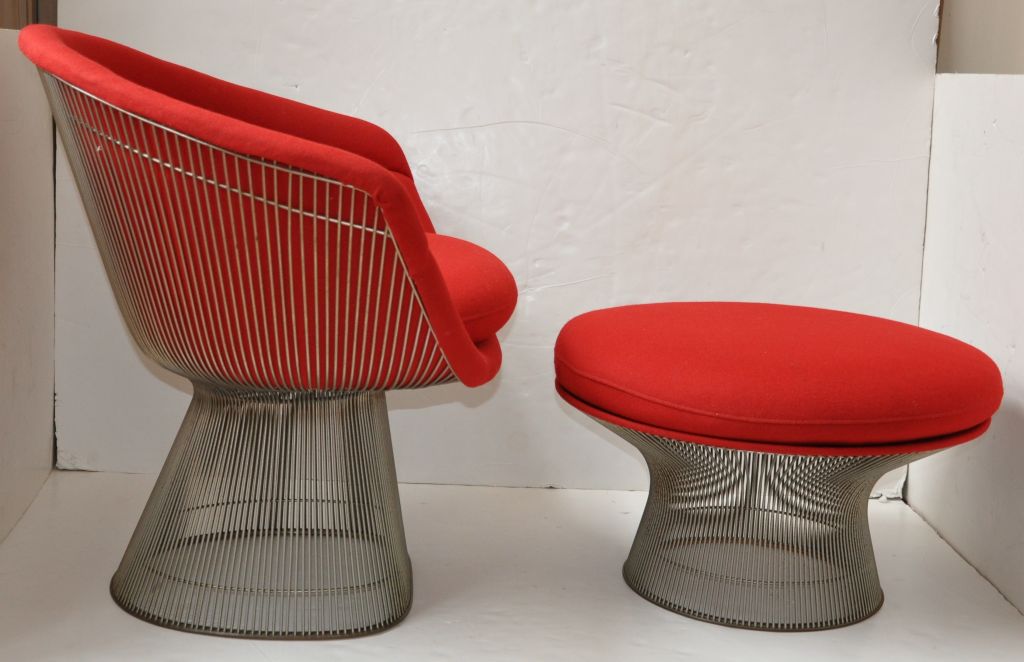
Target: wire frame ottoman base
276,515
756,540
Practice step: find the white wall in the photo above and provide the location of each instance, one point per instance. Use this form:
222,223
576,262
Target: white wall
973,275
26,284
609,152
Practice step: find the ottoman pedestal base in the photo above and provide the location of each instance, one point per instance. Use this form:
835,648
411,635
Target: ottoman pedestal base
756,539
277,516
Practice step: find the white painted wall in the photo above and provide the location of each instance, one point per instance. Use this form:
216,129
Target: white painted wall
973,276
26,284
609,152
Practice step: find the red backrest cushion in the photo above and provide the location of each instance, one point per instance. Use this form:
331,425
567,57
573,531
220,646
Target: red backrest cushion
229,268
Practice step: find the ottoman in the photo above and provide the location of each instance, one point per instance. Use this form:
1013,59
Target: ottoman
764,428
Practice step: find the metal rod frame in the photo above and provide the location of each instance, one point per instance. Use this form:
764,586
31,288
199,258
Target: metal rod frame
756,540
242,272
283,297
276,515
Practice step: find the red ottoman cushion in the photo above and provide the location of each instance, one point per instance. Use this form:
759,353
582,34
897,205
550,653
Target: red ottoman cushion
774,374
482,289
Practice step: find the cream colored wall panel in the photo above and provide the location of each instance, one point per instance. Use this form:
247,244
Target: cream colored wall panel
982,37
26,284
609,152
973,273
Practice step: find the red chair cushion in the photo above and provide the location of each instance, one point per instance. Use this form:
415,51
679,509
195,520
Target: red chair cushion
481,287
774,374
276,131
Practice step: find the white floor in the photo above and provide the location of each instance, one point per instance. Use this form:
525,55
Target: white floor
501,574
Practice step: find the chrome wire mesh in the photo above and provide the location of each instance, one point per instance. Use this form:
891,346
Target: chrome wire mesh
276,515
756,540
283,296
237,271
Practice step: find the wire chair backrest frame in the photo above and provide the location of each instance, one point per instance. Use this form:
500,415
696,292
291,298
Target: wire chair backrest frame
242,272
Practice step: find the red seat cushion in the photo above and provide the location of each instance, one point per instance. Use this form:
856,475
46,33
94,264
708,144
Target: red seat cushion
481,287
774,374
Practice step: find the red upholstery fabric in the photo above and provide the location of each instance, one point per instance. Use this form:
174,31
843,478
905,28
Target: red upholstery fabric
844,449
480,284
776,376
278,130
414,195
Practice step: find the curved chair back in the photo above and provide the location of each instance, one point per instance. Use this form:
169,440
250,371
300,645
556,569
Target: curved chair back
242,247
232,268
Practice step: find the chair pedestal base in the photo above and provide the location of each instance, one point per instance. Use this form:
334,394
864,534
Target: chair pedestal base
754,539
276,515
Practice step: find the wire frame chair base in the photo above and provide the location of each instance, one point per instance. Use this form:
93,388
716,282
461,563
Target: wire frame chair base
756,540
276,515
